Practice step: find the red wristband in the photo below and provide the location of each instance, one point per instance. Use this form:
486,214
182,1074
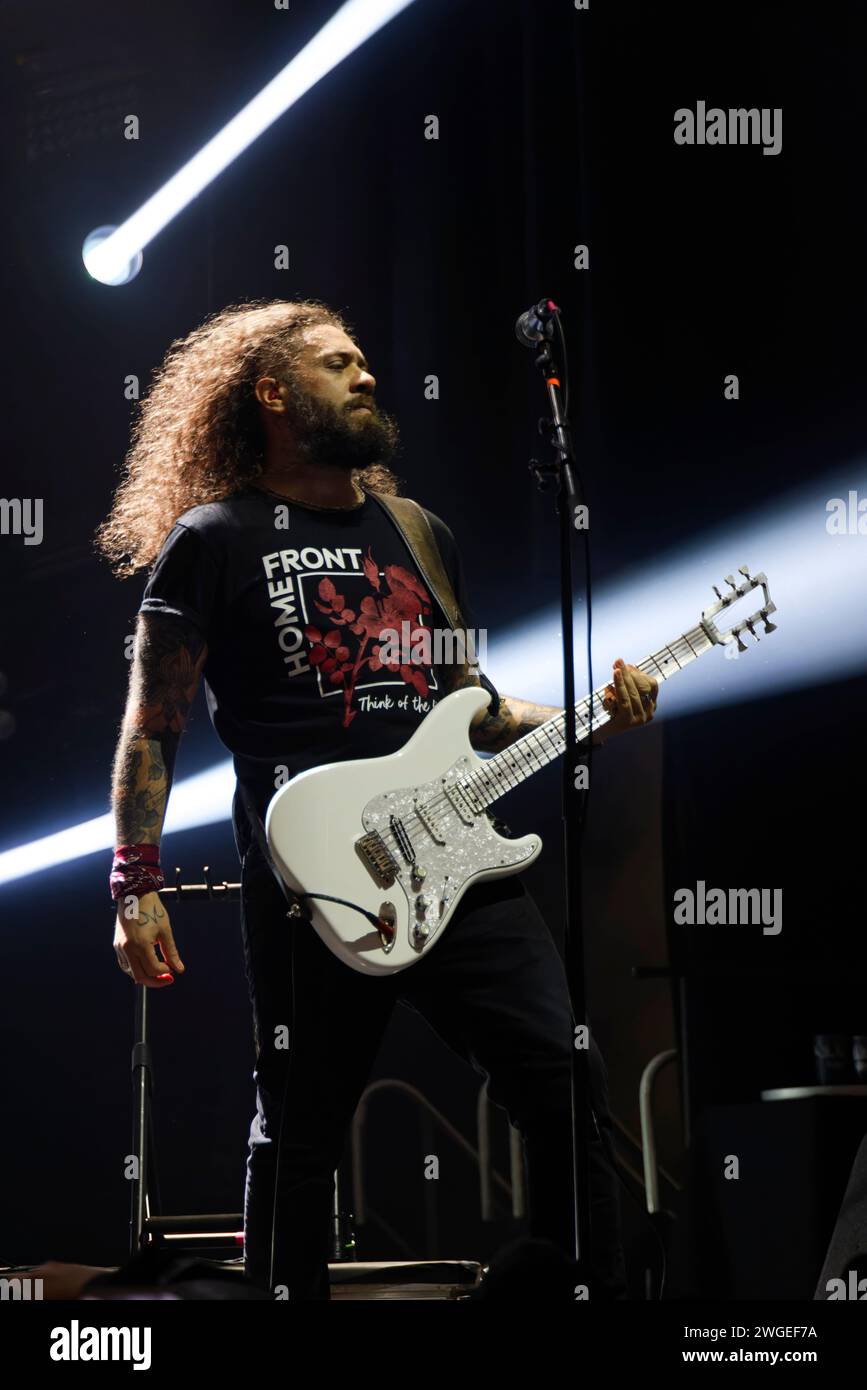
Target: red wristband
136,869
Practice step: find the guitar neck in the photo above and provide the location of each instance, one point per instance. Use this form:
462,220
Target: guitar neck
532,752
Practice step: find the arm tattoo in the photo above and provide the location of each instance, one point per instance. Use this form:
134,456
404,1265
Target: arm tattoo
169,657
514,718
490,733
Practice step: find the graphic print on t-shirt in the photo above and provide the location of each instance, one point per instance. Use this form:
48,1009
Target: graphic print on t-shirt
342,603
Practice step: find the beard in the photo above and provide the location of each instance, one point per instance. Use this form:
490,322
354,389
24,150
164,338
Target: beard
343,437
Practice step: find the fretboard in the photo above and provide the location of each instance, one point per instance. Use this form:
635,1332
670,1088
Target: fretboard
541,746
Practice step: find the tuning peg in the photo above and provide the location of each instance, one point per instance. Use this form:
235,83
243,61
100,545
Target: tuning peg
730,579
744,570
742,646
749,625
716,591
763,614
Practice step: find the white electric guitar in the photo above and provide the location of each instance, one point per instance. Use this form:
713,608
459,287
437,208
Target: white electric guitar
383,849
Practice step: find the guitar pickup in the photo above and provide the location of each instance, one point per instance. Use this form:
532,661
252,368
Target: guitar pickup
404,843
377,859
425,816
462,802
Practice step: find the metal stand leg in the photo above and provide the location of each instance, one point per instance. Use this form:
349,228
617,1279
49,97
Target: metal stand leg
658,1217
343,1244
142,1124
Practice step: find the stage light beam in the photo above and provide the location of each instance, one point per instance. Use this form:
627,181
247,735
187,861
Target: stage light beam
203,799
817,580
109,259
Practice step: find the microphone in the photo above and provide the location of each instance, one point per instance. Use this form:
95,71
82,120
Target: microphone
535,324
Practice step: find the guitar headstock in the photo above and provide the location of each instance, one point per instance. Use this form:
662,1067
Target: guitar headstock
746,624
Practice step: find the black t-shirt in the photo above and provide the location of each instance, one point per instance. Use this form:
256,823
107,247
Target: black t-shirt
291,601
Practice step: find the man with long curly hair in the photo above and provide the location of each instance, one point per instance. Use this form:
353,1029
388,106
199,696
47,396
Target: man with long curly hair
251,497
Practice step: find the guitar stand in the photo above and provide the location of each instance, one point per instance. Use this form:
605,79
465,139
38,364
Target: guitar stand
148,1224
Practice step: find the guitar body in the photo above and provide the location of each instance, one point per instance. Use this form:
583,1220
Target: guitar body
402,838
394,836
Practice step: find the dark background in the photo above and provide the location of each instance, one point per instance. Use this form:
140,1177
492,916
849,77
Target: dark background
555,129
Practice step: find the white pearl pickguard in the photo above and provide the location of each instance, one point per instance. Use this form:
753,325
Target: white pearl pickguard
317,822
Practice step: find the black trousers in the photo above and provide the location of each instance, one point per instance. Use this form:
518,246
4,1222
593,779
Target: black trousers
493,988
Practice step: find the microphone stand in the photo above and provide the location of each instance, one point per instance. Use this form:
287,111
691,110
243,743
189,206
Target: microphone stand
569,495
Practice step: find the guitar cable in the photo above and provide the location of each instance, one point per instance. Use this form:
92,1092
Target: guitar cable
329,898
293,898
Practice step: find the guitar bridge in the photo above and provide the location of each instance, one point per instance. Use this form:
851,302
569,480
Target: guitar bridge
377,859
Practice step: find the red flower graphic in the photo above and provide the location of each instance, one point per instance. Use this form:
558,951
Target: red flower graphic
407,600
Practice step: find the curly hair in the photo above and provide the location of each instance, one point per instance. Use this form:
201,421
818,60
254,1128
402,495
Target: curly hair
197,436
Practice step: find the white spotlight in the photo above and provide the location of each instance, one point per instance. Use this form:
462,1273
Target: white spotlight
113,274
348,29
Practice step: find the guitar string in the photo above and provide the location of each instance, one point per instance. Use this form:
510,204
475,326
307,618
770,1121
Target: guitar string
532,741
482,773
533,762
535,751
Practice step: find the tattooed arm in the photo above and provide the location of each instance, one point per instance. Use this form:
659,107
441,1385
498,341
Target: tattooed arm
622,698
489,733
169,656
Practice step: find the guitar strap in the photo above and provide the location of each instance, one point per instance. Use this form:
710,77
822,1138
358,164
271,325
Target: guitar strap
418,536
417,532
